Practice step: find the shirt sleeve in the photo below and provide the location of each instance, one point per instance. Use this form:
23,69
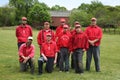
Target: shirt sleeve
100,34
31,34
39,40
21,50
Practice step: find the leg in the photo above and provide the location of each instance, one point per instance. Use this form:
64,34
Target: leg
75,62
23,66
49,65
58,59
61,66
96,55
66,60
19,44
31,63
72,61
89,58
40,65
80,62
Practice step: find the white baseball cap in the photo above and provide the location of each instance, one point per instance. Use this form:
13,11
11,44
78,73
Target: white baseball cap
30,38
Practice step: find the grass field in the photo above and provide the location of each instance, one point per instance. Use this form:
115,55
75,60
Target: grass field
9,65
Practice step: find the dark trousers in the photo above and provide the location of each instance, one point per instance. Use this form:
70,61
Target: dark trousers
19,44
72,61
64,58
24,66
48,67
95,51
78,55
58,59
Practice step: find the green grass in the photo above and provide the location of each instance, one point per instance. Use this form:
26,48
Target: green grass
9,65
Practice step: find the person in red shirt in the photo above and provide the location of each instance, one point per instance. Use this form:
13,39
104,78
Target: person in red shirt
26,55
94,34
79,44
23,31
41,38
48,55
64,43
72,32
59,29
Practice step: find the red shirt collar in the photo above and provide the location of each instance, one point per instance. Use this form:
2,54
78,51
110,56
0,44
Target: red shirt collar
93,26
49,42
22,26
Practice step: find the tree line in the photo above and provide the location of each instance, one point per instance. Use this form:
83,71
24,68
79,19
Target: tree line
38,12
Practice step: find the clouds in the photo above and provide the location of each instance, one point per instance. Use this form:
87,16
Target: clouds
69,4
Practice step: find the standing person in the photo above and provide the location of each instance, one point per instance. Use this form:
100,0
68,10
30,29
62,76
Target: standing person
72,32
26,55
59,29
23,31
41,38
48,55
64,41
79,45
94,34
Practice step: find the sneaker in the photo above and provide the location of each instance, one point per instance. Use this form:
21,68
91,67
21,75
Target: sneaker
67,71
60,71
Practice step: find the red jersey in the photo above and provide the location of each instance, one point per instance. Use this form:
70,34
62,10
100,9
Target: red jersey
94,33
26,51
22,33
64,39
41,38
79,40
49,49
59,30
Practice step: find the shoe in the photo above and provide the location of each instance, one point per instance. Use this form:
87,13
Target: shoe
81,73
60,71
67,71
39,73
98,71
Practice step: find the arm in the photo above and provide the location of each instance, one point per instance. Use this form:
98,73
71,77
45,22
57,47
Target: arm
39,41
31,34
42,53
55,58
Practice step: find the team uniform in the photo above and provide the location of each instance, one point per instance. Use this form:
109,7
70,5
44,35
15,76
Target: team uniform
79,42
93,32
64,46
26,51
22,33
49,50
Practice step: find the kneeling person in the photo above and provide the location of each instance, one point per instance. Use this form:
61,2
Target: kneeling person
26,54
48,55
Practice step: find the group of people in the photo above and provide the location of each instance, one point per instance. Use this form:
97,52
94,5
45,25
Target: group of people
56,47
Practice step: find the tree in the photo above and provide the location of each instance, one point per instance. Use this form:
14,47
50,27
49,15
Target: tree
22,7
58,8
7,16
37,15
81,16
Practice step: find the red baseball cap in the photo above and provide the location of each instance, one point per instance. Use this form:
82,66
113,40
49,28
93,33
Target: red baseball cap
46,23
48,34
77,26
76,22
65,26
93,19
62,20
24,18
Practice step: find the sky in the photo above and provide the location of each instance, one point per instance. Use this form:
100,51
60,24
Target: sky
69,4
